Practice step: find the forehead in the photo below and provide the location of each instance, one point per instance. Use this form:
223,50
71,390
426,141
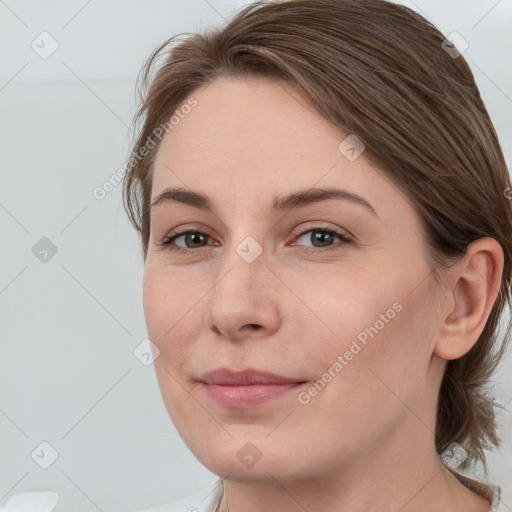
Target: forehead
238,118
260,135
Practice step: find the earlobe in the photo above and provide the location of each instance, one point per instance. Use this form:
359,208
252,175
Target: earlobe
475,283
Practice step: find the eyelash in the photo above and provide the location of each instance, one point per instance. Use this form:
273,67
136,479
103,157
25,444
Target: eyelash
167,241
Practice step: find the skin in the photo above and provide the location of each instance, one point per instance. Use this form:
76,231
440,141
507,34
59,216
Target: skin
365,442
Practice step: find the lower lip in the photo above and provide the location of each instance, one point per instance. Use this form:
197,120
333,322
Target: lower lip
248,396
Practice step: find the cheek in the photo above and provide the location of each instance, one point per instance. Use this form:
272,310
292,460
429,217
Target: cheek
352,307
371,332
173,314
368,371
171,310
168,296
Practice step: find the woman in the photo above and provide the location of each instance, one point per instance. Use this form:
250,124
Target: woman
322,203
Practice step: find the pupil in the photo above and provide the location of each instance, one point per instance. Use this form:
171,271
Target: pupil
321,236
193,237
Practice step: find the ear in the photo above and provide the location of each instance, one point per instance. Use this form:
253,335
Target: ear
474,283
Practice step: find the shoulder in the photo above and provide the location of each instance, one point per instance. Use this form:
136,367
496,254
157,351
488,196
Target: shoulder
205,500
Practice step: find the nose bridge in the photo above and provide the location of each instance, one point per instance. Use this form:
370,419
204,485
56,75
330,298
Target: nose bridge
241,269
244,257
241,295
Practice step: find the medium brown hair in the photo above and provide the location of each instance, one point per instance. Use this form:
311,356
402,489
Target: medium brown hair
380,71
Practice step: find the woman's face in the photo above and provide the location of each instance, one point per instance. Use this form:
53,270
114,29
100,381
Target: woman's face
266,288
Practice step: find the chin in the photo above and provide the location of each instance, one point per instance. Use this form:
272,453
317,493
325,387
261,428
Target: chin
241,459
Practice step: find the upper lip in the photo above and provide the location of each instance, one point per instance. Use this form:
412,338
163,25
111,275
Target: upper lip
228,377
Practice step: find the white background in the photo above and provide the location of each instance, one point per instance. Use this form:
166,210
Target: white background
69,326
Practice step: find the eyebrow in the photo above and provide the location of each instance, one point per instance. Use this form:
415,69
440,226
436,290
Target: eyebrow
297,199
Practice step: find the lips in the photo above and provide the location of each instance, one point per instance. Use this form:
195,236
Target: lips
228,377
247,388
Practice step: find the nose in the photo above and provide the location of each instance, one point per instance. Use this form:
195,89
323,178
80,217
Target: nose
244,303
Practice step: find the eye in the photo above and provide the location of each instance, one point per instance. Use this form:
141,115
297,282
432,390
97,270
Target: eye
322,238
193,240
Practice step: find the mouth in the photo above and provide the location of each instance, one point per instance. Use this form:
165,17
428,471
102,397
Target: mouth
247,388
